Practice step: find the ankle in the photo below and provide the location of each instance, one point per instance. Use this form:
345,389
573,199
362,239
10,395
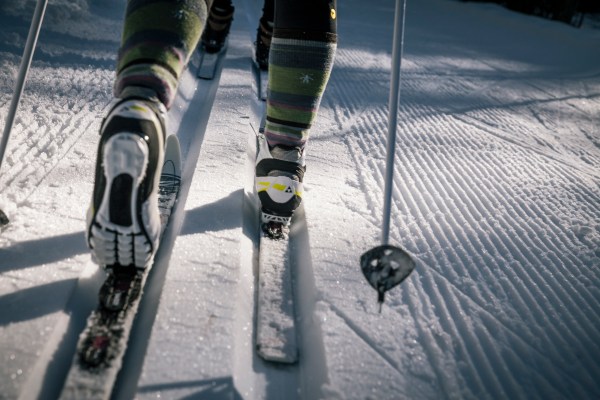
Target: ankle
139,92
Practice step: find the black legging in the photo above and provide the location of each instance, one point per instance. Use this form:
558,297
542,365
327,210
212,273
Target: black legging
298,15
308,16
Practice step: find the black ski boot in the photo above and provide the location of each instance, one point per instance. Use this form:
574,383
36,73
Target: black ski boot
279,174
123,221
264,34
217,28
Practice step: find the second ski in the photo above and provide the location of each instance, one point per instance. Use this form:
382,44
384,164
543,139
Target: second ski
276,321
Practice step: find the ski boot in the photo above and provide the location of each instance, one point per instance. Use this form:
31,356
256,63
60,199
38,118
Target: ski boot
217,28
264,34
123,221
279,174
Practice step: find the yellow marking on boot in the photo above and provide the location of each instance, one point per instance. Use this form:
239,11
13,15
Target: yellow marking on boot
265,186
333,13
137,107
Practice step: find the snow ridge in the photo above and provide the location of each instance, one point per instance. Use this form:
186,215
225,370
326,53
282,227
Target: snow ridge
458,208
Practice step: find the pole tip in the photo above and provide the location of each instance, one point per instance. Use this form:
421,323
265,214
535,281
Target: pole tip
3,219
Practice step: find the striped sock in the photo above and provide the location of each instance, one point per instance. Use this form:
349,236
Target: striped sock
299,68
158,39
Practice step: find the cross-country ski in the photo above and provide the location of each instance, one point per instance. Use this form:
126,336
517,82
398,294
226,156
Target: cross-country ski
261,77
103,343
275,319
276,329
209,63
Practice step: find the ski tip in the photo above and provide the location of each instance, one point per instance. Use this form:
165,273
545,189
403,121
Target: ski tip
207,76
173,143
172,163
209,64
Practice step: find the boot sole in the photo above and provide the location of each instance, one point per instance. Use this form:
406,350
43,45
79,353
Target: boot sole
118,235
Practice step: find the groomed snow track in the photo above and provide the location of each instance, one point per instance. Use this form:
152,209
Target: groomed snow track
497,196
504,298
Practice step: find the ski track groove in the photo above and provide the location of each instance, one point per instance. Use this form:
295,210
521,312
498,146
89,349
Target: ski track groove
482,219
530,277
446,309
540,285
41,138
457,314
493,130
424,317
32,155
374,181
488,245
68,149
460,222
547,244
489,363
491,322
430,347
364,337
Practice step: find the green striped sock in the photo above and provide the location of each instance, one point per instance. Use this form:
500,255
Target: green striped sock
299,68
158,39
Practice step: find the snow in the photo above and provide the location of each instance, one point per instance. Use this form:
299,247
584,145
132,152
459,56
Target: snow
497,196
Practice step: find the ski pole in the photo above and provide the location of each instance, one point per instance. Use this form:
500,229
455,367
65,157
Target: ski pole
394,101
386,266
32,37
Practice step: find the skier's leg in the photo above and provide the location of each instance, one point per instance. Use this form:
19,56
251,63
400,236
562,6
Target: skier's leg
123,218
218,24
264,33
158,39
302,53
301,57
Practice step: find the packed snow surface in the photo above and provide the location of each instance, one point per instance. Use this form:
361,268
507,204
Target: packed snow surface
497,197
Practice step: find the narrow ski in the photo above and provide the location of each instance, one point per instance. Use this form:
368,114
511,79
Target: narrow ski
276,319
103,342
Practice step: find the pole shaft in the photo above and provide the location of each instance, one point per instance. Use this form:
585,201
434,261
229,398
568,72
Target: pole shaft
32,37
394,101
